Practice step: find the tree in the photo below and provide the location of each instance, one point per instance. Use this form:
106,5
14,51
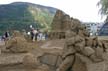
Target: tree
103,7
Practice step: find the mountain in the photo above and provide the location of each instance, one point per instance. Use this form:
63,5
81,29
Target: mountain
20,15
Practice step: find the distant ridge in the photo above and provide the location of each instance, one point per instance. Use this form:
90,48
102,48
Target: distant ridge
19,15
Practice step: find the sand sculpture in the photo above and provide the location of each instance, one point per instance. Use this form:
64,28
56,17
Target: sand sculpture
80,52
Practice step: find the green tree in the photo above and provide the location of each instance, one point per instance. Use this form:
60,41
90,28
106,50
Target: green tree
103,4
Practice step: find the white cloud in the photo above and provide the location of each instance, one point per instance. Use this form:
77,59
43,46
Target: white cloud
85,10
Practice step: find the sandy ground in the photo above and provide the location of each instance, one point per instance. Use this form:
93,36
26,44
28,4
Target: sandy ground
52,46
1,43
47,46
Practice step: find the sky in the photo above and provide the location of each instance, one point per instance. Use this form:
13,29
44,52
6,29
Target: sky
84,10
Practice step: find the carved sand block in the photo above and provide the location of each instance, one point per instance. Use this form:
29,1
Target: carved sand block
83,63
9,59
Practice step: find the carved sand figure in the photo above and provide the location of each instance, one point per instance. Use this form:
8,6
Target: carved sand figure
17,43
77,41
76,44
80,52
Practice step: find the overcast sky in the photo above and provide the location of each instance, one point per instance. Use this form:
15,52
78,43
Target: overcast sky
84,10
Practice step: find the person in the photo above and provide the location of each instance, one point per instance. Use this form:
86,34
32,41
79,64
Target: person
34,34
3,37
46,35
6,35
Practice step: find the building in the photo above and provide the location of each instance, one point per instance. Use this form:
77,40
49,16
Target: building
93,28
104,30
